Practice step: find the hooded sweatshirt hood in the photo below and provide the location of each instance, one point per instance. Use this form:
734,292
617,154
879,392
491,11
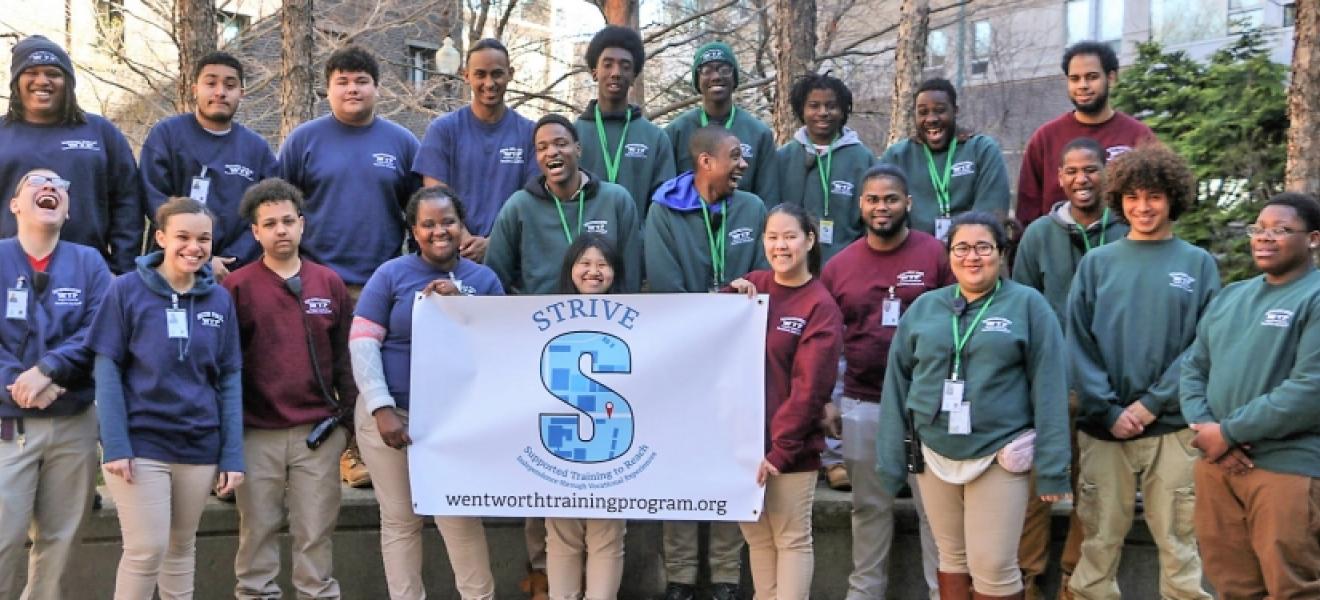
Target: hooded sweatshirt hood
590,113
537,188
203,283
680,194
1061,216
847,137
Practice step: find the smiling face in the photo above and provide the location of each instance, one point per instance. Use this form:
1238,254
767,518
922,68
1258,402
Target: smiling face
936,117
715,81
884,206
1147,211
592,274
786,244
725,167
976,274
1088,84
822,115
186,239
437,232
614,74
1082,178
42,199
278,228
41,91
1280,255
217,93
488,74
557,153
352,96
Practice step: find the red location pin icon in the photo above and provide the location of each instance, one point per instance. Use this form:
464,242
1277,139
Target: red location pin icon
609,410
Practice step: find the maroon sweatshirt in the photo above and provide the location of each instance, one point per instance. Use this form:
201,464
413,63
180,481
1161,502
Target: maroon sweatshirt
804,337
1038,181
859,278
279,387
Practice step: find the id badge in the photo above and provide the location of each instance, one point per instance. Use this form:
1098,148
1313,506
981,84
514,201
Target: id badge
827,231
960,419
16,304
176,322
890,309
952,395
201,188
942,228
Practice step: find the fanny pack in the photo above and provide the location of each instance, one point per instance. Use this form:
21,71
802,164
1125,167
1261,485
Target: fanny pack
1019,454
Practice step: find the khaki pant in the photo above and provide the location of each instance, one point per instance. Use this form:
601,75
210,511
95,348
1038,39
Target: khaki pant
1259,533
1107,490
584,547
977,526
282,472
779,543
1034,548
158,517
45,493
726,544
401,528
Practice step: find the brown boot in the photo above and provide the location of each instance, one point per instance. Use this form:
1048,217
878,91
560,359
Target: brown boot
954,586
1064,592
536,585
351,468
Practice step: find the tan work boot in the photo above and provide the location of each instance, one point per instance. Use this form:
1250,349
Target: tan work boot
351,468
536,585
836,475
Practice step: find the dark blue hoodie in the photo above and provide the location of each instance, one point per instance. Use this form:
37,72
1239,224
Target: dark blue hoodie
54,335
172,400
677,247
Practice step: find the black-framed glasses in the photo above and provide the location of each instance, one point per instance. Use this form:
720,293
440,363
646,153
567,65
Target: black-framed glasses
37,181
982,249
1274,233
719,68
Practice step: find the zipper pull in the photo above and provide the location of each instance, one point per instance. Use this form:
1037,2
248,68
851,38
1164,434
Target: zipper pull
891,292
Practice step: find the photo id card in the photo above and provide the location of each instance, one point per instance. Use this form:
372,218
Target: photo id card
16,304
201,188
960,419
827,231
952,395
942,225
890,309
176,322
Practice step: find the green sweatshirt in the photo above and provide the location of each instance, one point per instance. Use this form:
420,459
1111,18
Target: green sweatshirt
677,249
527,242
758,146
978,178
800,183
1012,369
645,159
1132,313
1050,249
1255,369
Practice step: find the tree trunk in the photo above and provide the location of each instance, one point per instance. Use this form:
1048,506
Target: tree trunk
626,13
1303,173
909,57
794,38
195,32
297,98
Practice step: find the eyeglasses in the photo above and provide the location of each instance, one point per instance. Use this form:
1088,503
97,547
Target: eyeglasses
37,181
982,249
1274,233
720,69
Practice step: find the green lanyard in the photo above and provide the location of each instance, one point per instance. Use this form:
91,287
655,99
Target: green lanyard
716,244
959,338
1104,225
824,171
563,220
727,122
612,167
941,184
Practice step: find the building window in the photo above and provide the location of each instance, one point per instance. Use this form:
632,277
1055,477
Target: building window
421,64
110,24
232,25
1245,15
1184,21
982,44
937,51
1100,20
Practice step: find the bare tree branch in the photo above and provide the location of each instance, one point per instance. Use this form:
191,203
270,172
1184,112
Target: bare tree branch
504,18
657,34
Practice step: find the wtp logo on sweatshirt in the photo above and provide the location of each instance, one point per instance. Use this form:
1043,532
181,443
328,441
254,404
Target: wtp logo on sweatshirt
211,318
741,235
385,161
912,278
965,167
318,306
1278,318
746,151
512,156
1181,281
91,145
240,171
602,227
842,188
793,325
67,296
998,324
635,150
1113,152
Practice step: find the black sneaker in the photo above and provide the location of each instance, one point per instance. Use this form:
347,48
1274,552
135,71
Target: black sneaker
725,591
680,591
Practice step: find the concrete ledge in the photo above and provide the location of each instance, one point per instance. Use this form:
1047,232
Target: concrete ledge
361,575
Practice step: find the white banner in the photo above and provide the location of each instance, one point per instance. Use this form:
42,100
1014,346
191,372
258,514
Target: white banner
636,407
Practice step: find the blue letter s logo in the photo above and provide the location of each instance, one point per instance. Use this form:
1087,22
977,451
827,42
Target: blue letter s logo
611,415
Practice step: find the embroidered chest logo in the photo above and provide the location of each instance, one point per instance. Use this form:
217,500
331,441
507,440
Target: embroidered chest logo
512,156
1278,318
1181,281
998,324
317,306
793,325
635,150
746,151
965,167
211,318
1112,152
91,145
912,278
842,188
384,161
741,235
67,296
464,289
601,227
240,171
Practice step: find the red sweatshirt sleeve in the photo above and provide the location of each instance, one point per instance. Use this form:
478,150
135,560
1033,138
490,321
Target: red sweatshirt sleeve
1031,185
815,366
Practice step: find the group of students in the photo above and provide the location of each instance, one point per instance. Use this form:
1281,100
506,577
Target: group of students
272,320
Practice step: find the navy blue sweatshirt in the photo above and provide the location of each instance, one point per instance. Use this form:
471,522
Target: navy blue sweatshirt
105,204
178,148
356,181
54,335
172,400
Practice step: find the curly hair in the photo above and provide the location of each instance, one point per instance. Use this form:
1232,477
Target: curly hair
1152,167
615,36
797,96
